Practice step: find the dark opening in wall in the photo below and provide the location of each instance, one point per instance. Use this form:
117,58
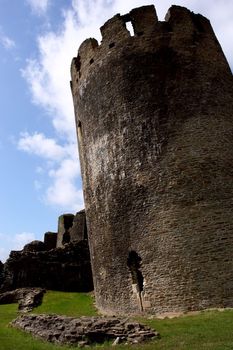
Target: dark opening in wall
111,45
66,237
68,221
91,61
77,62
134,264
140,33
79,131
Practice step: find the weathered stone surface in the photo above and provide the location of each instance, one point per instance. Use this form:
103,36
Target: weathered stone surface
50,240
71,228
66,268
41,264
27,298
78,231
65,222
155,131
34,246
84,330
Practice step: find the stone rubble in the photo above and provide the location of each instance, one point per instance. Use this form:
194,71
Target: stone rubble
84,331
27,298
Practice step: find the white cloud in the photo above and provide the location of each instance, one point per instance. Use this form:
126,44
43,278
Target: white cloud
38,6
63,191
6,42
41,146
62,168
48,77
14,242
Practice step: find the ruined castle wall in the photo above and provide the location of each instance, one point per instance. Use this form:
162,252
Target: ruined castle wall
78,231
155,131
71,229
67,269
50,240
65,223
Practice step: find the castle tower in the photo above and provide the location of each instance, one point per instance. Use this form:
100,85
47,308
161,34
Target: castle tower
154,115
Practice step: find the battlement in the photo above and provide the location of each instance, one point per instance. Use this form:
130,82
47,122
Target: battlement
179,22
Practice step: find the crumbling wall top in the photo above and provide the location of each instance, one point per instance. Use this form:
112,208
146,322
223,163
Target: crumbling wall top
113,29
182,20
179,23
144,19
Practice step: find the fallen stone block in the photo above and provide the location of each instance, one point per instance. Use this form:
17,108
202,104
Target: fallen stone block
27,298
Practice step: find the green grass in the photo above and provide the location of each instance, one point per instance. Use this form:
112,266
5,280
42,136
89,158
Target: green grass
207,330
70,304
12,339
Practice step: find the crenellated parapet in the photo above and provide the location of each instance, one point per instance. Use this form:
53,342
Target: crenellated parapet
180,27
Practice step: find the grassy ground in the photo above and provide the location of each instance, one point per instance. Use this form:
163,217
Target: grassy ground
12,339
70,304
207,330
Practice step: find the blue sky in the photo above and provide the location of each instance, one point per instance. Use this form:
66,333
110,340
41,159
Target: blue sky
40,175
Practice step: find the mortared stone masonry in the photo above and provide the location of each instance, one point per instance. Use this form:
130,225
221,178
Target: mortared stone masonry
155,131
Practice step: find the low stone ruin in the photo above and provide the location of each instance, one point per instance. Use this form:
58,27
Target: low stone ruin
27,298
61,262
85,330
1,272
65,269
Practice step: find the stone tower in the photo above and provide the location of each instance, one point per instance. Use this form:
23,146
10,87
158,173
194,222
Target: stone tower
154,115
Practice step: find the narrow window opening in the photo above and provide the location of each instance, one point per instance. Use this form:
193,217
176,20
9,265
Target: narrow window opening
77,62
140,33
80,131
91,61
66,237
129,26
68,223
111,45
134,265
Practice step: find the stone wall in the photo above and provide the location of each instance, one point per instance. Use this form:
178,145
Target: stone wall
155,131
71,228
1,272
78,231
50,240
65,222
66,269
41,264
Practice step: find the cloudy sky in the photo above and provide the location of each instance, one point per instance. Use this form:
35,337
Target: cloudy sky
40,175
